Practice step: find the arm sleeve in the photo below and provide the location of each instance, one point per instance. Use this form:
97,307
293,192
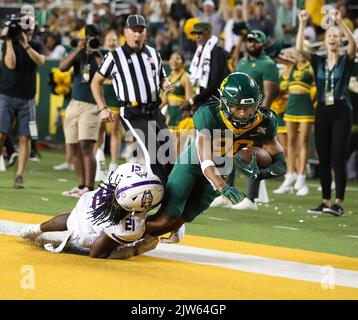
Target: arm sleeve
106,68
217,64
276,169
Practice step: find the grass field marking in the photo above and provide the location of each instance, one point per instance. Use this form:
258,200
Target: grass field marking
288,228
218,219
235,261
352,236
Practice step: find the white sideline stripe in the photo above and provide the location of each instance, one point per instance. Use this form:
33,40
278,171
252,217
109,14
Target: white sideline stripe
234,261
288,228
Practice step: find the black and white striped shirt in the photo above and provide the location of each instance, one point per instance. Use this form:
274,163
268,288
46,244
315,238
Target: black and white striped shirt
136,77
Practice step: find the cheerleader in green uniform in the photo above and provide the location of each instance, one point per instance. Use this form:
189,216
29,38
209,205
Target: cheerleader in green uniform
299,118
279,106
182,92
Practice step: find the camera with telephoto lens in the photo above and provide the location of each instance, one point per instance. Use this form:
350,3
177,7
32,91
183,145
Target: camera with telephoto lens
239,26
92,38
15,28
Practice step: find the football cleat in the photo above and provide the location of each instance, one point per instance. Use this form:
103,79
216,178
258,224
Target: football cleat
30,232
220,201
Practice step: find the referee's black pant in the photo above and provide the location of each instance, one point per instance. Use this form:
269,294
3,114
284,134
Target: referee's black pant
152,135
333,126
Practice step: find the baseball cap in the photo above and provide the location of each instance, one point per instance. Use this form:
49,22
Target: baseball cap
135,20
201,27
257,35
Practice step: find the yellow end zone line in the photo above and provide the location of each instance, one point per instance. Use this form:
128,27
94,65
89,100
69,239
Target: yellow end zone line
255,249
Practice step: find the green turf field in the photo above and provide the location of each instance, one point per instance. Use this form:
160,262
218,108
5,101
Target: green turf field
282,222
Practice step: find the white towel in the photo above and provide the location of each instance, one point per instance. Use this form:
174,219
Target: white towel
200,65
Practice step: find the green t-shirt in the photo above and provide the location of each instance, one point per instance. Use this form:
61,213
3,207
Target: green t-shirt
227,140
263,68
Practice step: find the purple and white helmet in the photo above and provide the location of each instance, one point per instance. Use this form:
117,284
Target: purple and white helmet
125,170
139,192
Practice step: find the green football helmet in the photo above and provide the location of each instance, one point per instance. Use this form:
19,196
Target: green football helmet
239,91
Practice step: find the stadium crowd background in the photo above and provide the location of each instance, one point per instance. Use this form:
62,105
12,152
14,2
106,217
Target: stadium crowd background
171,21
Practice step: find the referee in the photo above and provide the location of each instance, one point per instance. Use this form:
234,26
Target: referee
138,75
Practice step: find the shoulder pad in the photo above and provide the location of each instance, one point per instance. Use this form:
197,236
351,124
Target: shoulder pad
267,111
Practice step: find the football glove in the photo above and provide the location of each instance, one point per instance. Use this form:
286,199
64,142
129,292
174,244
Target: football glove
232,194
251,169
175,236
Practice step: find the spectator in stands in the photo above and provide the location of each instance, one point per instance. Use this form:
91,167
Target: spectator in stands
53,49
285,28
231,38
43,12
333,118
344,12
163,44
210,14
155,12
258,20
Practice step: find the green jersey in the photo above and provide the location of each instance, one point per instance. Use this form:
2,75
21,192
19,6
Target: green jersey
188,193
226,139
263,68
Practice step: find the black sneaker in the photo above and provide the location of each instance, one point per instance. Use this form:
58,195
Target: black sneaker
334,209
319,209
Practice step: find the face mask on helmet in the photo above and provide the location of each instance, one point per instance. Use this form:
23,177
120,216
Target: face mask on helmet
240,114
240,99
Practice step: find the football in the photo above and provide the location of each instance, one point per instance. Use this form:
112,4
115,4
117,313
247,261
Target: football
263,157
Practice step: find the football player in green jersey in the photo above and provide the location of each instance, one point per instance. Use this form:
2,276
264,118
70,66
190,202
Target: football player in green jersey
196,179
236,121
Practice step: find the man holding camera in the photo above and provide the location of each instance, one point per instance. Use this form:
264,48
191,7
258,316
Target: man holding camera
82,119
20,57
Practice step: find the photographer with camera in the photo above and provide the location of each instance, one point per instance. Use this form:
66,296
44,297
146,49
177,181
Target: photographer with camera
82,119
20,57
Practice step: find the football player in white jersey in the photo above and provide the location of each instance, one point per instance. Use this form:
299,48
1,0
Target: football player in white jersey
110,218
